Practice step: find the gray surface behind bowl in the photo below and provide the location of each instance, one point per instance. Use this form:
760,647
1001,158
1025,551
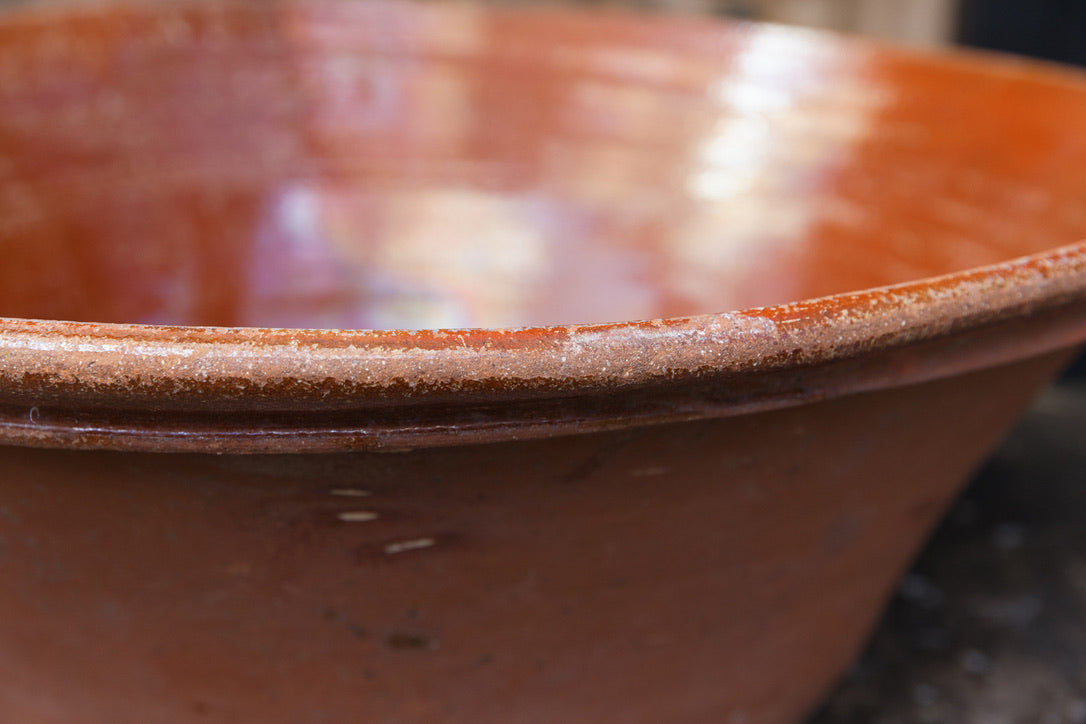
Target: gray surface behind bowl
988,627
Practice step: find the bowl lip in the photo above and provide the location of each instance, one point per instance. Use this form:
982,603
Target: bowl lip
441,387
243,373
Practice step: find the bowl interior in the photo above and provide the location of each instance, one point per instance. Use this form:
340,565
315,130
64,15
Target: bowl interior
395,166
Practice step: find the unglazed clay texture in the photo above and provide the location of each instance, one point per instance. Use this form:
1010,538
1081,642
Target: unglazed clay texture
683,334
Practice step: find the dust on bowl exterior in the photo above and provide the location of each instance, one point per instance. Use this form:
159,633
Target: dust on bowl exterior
227,495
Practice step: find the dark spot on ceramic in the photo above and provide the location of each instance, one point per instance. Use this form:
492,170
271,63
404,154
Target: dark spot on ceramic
335,616
408,641
673,303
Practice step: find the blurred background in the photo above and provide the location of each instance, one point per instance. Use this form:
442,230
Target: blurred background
990,625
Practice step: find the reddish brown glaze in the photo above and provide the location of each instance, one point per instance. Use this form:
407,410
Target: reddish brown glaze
385,165
270,227
708,571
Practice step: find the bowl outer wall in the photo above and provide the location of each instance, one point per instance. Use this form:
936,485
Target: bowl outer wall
714,570
720,568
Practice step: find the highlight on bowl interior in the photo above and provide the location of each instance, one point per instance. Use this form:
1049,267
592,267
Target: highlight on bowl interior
685,332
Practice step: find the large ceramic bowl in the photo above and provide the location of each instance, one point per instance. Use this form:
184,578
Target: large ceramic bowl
851,268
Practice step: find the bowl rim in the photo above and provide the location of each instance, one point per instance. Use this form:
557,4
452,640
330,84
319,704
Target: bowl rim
240,389
247,389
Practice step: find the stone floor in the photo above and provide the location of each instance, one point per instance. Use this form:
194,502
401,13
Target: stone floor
990,625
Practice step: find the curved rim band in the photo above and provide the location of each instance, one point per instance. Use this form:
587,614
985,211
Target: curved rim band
243,389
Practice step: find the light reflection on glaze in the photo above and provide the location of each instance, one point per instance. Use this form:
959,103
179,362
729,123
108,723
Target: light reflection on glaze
397,166
751,174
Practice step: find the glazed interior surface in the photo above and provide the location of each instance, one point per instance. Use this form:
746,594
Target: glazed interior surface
392,166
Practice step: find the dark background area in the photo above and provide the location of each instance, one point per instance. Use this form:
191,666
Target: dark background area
1049,29
990,625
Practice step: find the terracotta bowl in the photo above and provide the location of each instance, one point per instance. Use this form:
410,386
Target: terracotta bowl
529,509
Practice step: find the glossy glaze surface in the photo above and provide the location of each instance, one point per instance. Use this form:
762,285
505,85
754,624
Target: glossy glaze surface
348,165
387,166
691,518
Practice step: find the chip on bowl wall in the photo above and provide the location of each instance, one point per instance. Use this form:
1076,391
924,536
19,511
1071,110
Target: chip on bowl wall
420,363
